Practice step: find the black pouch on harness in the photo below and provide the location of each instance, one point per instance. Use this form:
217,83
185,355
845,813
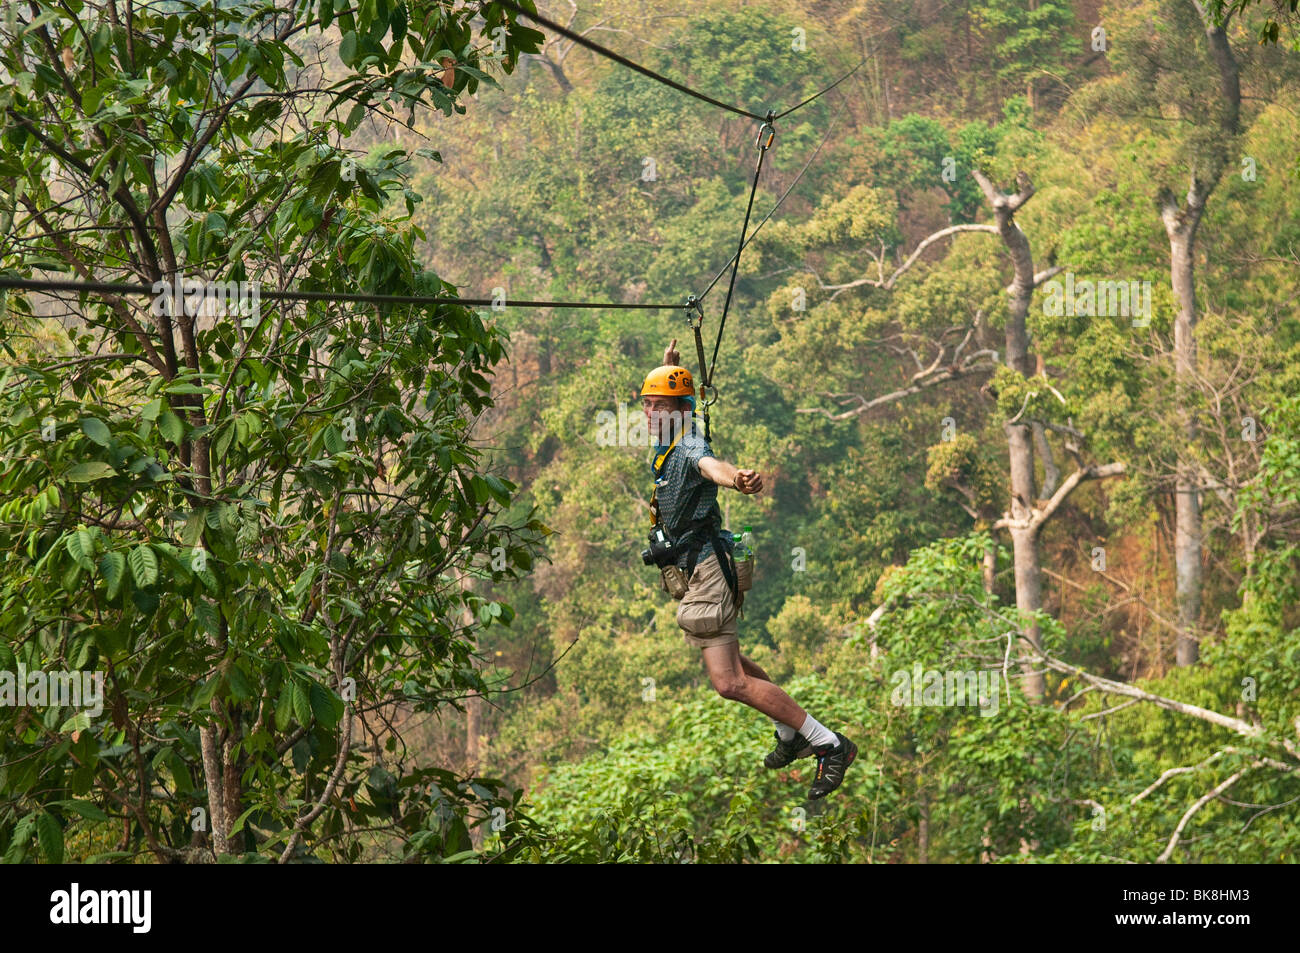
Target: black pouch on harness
665,545
695,537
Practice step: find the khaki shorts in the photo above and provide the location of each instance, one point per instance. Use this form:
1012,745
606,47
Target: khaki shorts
707,613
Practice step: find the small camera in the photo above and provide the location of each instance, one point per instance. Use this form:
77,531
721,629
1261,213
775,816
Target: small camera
662,550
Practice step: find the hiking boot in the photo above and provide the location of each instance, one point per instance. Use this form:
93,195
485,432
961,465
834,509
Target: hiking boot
787,751
831,762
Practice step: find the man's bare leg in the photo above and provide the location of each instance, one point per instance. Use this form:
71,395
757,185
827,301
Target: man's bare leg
732,680
752,668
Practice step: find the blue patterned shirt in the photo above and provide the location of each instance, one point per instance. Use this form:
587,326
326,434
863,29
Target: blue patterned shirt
679,479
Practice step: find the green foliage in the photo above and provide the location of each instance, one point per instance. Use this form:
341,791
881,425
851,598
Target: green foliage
249,521
232,528
1029,40
962,463
856,498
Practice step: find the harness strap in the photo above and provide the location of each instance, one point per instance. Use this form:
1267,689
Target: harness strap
695,318
654,493
726,561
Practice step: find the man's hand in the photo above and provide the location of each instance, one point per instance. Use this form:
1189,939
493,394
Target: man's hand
725,474
670,354
748,481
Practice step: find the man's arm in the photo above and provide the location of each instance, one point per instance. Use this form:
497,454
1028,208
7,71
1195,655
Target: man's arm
725,474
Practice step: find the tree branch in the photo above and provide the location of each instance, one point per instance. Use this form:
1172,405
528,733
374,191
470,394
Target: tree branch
1039,516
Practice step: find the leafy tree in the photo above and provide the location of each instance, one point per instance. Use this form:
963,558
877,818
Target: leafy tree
1270,29
246,513
1031,39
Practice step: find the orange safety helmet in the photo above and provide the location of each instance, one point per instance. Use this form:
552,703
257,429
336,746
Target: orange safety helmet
670,380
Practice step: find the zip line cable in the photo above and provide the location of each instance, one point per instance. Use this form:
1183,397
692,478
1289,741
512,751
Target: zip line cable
763,146
824,91
30,284
759,226
623,60
659,77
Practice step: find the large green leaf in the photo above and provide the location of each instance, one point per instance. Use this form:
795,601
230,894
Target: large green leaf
284,707
170,426
112,566
301,703
50,836
82,547
144,565
97,430
333,439
86,472
323,706
348,48
86,809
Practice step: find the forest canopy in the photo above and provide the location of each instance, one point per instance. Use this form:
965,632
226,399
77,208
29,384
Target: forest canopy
359,579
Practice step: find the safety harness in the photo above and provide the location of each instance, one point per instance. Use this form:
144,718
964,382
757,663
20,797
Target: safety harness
693,532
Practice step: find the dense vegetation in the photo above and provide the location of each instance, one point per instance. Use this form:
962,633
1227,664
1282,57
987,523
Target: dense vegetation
364,579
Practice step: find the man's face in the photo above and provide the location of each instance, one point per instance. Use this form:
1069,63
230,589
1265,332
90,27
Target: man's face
667,416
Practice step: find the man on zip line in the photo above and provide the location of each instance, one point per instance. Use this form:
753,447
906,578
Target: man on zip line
687,537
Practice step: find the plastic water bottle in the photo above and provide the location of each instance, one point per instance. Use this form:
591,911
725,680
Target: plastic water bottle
745,544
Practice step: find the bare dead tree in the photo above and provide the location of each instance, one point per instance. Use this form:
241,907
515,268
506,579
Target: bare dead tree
1025,519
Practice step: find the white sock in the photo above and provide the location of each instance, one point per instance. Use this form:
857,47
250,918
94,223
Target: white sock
817,733
783,731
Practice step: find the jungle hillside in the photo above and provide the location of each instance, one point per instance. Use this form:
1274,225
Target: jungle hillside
322,509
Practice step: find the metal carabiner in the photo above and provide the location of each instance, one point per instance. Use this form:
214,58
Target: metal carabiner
694,312
712,400
770,130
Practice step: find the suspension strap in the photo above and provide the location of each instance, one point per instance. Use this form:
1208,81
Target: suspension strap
695,318
764,142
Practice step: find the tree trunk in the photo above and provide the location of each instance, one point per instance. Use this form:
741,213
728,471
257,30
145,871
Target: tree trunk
1180,228
1020,445
473,732
557,72
473,721
1189,577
